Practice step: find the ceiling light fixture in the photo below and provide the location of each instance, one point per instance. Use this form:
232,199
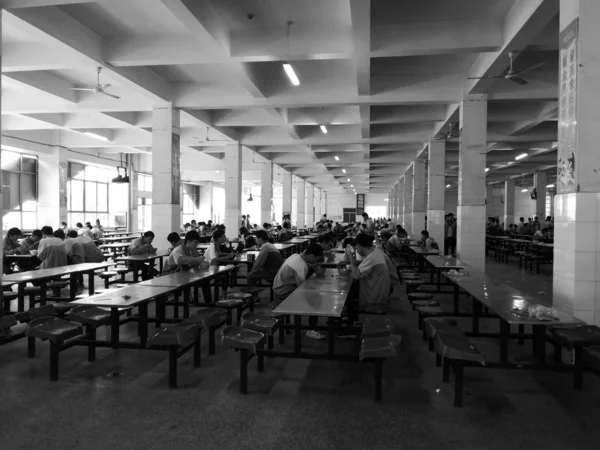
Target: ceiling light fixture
524,190
448,186
351,185
343,170
336,157
324,129
287,67
521,156
216,171
550,186
348,179
122,176
487,170
96,136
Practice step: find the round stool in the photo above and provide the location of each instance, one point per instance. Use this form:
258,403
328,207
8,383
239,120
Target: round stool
229,304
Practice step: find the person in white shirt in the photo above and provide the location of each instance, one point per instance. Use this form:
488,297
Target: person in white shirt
370,226
294,271
84,231
97,233
184,255
267,263
213,254
428,242
74,248
51,250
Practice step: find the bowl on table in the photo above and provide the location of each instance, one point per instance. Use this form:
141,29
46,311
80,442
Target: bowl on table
33,252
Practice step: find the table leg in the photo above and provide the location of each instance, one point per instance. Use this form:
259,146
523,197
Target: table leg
143,323
216,290
539,343
456,298
186,302
114,327
43,290
160,265
21,297
504,331
331,336
136,269
439,279
91,289
432,275
298,334
476,314
72,286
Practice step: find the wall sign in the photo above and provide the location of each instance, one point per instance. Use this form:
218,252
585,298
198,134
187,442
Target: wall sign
567,123
360,204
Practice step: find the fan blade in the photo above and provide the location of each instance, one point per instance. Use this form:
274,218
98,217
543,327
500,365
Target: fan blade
82,89
529,69
104,86
484,78
110,95
519,80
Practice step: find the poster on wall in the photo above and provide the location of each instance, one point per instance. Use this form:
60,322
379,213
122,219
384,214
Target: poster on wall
567,123
175,174
360,204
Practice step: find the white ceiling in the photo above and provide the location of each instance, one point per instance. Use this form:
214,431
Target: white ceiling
384,77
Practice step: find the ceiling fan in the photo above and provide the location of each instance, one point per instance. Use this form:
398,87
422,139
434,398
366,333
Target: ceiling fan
210,141
512,75
99,89
449,135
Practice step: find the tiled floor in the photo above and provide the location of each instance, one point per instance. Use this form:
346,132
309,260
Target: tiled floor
122,401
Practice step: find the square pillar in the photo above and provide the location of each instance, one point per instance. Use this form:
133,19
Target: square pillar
310,205
166,179
287,194
408,190
436,190
509,202
576,281
470,245
324,203
540,181
300,202
233,190
52,194
266,193
400,203
318,213
419,206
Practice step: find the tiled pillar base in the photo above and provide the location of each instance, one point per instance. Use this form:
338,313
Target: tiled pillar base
435,224
576,280
165,220
470,245
418,222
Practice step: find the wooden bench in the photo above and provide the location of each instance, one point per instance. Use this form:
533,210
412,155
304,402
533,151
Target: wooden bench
91,318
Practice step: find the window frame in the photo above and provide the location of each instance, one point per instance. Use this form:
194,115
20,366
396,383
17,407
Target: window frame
19,173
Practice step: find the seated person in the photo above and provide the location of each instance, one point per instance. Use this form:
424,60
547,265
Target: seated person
396,245
64,227
427,242
245,240
51,250
372,274
184,256
267,263
175,240
385,235
267,227
92,253
97,233
83,231
30,243
541,235
326,242
286,233
214,254
294,271
143,246
11,242
74,248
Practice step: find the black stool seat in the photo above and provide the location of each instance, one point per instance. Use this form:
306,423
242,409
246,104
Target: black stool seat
90,315
419,296
262,324
580,336
55,329
209,317
458,348
379,328
380,347
181,335
242,338
34,313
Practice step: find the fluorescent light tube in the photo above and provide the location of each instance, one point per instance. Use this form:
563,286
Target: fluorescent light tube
324,129
95,136
343,170
336,157
521,156
289,71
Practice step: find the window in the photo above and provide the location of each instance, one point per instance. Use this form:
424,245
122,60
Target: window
144,186
19,184
549,206
190,202
88,194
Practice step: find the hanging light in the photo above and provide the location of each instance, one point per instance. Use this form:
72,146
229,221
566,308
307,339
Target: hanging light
323,129
121,178
287,67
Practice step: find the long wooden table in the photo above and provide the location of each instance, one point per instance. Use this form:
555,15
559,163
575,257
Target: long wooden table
191,279
441,263
138,260
41,276
507,303
127,297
